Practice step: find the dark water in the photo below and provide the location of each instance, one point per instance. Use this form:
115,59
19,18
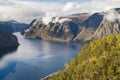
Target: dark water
35,59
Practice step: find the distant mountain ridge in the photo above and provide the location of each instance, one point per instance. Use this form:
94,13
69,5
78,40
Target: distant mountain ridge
76,27
12,26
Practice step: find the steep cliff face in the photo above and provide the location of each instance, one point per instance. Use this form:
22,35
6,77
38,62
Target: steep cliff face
27,27
89,26
8,40
64,29
109,25
53,31
78,27
107,28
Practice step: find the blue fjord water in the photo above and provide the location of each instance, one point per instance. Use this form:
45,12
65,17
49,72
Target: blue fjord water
35,59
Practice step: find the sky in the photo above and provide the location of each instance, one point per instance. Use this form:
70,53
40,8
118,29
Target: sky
27,10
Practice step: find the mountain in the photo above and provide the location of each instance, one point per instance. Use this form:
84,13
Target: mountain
12,26
98,60
59,29
109,25
53,31
27,27
77,27
89,26
80,27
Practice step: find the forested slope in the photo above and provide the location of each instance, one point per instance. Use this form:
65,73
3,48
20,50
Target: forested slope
98,60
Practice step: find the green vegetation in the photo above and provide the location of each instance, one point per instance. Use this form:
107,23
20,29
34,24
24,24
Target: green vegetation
98,60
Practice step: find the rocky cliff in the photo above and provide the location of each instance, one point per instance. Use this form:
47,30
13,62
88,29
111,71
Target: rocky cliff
109,25
65,29
89,26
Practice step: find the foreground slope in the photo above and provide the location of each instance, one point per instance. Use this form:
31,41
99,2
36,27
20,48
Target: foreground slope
99,60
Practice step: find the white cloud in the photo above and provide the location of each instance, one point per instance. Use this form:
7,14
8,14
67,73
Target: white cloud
112,15
46,19
71,6
25,11
103,5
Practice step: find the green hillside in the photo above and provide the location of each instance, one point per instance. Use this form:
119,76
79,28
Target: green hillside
98,60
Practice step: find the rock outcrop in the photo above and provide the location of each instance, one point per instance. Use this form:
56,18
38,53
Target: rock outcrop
89,26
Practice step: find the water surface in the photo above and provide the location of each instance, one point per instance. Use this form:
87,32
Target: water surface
35,59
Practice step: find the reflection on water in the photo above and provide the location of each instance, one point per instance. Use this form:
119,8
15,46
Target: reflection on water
35,59
5,50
